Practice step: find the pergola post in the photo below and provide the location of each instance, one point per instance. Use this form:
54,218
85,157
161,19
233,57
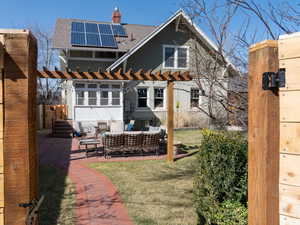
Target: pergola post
19,97
170,121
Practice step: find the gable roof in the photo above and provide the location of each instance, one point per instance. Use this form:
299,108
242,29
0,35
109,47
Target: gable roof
156,31
62,36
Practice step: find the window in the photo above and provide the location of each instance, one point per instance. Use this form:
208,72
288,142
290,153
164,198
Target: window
142,97
104,98
92,95
92,86
79,85
175,57
195,94
79,97
115,97
158,97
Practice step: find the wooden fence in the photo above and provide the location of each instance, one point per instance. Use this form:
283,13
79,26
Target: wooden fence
47,114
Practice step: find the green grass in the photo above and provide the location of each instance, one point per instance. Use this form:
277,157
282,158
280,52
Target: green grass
59,203
188,137
155,192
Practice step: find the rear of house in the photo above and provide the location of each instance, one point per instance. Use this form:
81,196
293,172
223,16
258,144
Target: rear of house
173,46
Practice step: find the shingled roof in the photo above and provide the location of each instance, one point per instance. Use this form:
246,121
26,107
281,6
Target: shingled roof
135,32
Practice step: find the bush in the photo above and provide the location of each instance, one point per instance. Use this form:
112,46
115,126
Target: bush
220,185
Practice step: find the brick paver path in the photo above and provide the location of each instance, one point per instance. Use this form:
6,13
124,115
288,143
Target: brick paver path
98,202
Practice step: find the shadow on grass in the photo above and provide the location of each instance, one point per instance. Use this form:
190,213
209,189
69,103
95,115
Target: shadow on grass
54,160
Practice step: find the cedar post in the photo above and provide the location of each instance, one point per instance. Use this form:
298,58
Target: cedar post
263,137
170,122
20,153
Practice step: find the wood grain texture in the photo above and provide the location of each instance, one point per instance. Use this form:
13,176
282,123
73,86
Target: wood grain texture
289,200
2,52
290,138
288,102
289,47
292,67
263,137
286,220
20,153
170,122
289,169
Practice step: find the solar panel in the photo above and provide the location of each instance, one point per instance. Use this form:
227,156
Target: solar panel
91,28
93,40
108,41
105,29
77,38
118,30
77,27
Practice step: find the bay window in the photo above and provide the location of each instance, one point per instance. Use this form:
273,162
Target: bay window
158,97
142,97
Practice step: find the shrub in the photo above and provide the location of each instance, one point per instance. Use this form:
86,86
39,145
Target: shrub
220,185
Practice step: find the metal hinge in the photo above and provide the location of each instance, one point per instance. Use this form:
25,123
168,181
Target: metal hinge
273,80
33,206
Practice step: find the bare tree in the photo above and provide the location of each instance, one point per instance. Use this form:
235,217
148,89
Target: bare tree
47,57
234,25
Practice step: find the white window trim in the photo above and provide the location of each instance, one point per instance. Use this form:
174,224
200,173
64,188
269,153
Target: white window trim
199,100
98,95
164,99
176,56
137,100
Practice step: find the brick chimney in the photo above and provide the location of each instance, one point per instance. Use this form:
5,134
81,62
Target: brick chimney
116,16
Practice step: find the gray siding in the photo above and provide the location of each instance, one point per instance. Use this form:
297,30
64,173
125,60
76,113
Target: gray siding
85,65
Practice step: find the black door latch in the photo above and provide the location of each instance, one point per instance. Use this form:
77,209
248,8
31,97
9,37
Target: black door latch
273,80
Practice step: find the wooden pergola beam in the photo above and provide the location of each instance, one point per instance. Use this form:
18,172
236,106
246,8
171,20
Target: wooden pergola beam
119,75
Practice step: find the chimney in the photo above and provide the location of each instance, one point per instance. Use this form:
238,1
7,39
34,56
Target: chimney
116,16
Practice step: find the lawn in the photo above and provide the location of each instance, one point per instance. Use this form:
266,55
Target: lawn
59,203
154,191
188,137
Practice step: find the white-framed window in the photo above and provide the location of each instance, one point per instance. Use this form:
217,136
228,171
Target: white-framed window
142,97
159,97
79,97
195,97
175,57
92,94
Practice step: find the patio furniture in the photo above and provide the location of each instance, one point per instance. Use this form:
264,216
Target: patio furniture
93,142
151,142
131,142
113,142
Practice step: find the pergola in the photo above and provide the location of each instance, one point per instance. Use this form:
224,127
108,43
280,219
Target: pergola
18,148
139,75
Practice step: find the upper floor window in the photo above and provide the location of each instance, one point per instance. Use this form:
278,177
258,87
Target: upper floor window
142,97
175,57
195,97
158,97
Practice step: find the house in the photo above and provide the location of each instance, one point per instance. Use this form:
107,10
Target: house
172,46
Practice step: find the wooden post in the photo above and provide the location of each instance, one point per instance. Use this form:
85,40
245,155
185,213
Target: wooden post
2,52
20,153
263,136
170,117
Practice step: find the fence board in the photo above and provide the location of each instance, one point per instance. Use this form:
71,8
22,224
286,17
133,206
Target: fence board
289,47
288,101
289,200
289,169
292,67
289,138
286,220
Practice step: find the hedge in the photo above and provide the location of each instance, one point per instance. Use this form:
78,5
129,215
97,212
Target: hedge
220,186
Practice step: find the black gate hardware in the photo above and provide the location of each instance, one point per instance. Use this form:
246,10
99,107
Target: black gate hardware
273,80
33,206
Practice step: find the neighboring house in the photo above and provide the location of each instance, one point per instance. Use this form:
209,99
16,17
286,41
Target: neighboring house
93,45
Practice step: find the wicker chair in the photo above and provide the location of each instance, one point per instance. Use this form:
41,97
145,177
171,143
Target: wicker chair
133,142
151,142
113,143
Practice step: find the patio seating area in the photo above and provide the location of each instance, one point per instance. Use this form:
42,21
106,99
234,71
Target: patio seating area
106,142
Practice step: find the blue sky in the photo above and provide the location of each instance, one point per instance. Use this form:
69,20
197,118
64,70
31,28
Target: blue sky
23,13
